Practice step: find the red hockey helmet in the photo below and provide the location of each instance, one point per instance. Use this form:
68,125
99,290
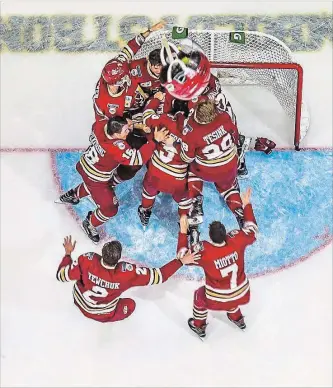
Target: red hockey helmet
116,73
186,70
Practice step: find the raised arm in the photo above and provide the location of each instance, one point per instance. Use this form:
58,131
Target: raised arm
134,45
68,270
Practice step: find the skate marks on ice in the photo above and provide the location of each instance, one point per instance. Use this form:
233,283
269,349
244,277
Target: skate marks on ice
292,198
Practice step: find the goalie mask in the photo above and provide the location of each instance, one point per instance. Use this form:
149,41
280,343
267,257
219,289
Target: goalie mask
186,69
116,73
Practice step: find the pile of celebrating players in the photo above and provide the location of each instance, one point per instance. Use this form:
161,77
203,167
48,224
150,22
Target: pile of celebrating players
169,113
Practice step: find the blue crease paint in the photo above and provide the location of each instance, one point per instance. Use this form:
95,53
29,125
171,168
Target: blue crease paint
292,200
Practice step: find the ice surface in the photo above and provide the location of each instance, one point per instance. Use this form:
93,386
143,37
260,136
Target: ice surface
47,342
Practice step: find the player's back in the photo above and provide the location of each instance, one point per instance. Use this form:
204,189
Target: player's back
101,285
224,266
215,141
167,157
100,158
211,148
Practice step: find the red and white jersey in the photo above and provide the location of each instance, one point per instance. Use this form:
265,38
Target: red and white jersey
167,158
214,92
144,77
223,264
98,286
105,153
108,105
210,145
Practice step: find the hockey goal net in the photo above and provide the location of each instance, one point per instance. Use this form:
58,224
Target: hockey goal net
251,58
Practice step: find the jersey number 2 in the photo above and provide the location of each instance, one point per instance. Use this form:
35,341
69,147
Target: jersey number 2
97,292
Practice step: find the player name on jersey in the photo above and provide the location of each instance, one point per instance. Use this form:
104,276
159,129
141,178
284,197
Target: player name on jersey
93,140
217,134
226,260
103,283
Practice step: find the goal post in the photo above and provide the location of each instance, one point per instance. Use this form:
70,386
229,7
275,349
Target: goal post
299,131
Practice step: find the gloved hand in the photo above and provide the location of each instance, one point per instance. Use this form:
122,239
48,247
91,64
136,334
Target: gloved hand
264,145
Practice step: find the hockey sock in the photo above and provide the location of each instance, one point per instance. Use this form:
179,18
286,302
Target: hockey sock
199,316
148,199
115,180
195,185
184,206
200,310
235,314
81,191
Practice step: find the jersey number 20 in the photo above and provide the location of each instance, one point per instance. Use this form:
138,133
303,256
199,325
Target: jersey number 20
215,151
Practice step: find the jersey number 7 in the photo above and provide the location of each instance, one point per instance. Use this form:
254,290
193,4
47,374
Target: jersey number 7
233,269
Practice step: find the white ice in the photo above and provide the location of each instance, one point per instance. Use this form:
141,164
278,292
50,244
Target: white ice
47,342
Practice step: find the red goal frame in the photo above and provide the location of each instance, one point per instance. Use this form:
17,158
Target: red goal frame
283,66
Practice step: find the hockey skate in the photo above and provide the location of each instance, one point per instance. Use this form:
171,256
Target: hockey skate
239,214
89,229
197,205
199,331
242,148
240,323
196,213
194,235
242,171
69,197
144,215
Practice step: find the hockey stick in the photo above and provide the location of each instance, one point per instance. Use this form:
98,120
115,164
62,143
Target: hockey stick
166,45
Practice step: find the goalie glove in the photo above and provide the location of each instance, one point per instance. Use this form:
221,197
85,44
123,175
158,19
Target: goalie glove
264,145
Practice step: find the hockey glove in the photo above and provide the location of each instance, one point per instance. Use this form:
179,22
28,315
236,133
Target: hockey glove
264,145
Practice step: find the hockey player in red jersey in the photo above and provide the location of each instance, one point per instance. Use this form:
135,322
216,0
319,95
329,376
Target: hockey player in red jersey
108,148
209,146
166,171
186,76
226,285
145,72
123,89
118,90
100,280
114,93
